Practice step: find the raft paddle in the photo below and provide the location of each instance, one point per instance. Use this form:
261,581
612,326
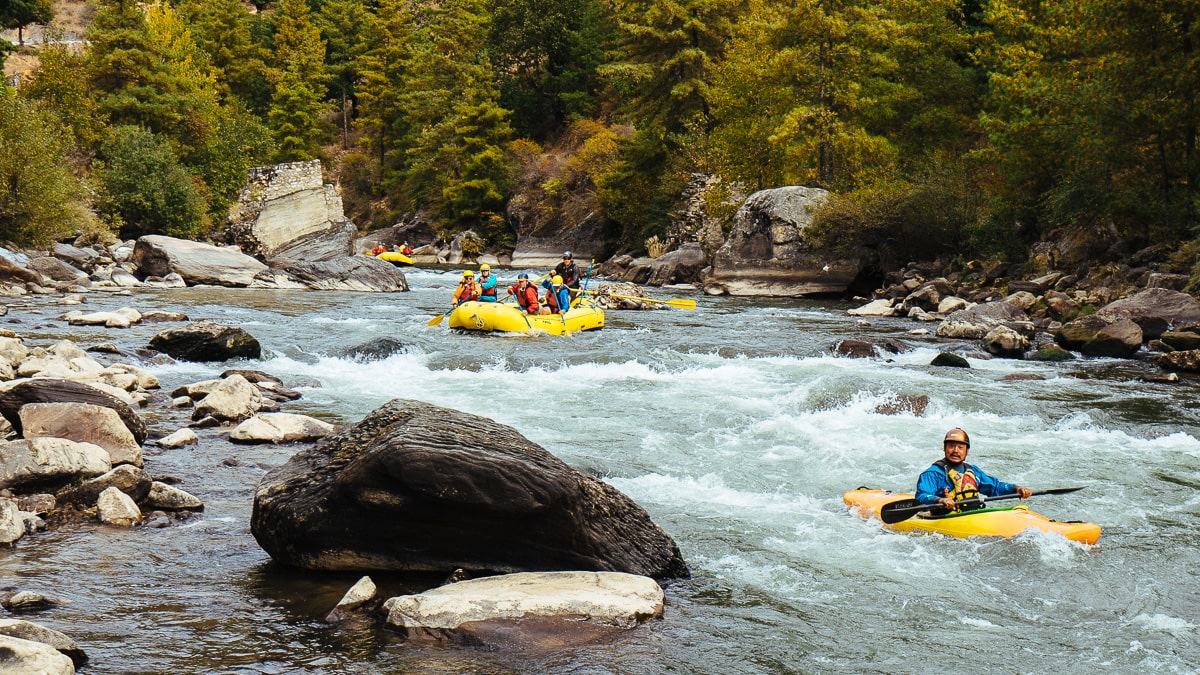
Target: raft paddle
901,510
680,303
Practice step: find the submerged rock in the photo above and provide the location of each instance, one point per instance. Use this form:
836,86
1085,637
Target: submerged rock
417,487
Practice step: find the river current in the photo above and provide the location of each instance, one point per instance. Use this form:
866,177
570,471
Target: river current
738,431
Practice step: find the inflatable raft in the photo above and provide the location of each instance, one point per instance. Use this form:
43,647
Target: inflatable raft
395,258
1005,521
508,318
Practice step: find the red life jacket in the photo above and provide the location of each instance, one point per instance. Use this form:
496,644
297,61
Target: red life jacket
552,301
527,298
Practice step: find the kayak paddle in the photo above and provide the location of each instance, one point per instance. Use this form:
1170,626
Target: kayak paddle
903,509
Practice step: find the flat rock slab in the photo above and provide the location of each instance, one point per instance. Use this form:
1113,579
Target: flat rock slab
552,603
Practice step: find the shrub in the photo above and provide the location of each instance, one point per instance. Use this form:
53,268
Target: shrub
144,185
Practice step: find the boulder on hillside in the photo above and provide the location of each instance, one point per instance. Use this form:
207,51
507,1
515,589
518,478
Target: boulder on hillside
1157,310
207,341
157,256
14,395
417,487
767,253
572,607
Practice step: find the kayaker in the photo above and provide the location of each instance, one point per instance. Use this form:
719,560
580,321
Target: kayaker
558,298
467,289
526,294
568,270
951,479
487,284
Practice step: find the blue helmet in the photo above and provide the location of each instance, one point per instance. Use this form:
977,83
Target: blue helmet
522,275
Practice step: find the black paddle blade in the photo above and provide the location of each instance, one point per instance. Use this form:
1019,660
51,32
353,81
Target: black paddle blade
1058,491
894,512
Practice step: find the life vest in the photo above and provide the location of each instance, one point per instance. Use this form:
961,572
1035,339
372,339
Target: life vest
466,291
407,250
552,301
569,273
489,291
527,298
379,249
966,484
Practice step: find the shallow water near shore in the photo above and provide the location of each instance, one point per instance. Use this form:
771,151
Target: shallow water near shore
736,429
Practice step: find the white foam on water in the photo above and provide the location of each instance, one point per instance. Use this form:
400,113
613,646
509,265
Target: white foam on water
1163,623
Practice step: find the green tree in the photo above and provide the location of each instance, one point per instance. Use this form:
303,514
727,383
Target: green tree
383,69
40,200
20,13
145,188
222,28
546,54
1092,116
60,83
297,75
344,26
454,148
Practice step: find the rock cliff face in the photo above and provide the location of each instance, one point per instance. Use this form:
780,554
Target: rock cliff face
766,252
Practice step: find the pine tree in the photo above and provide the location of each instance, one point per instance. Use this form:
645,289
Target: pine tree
297,75
20,13
222,28
383,73
343,24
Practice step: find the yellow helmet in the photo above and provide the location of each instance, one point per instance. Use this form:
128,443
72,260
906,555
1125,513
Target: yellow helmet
468,273
557,280
485,267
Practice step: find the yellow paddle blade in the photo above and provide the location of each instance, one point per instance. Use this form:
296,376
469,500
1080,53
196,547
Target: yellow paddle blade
437,319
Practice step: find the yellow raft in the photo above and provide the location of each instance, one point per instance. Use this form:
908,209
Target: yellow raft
508,318
996,522
394,257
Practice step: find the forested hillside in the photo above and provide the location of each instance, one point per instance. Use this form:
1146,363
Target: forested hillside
942,127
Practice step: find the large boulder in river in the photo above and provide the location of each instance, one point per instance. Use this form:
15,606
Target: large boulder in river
27,630
1157,310
767,253
417,487
157,255
1100,334
29,656
207,341
14,395
973,323
49,461
351,273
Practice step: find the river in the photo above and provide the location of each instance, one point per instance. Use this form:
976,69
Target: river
736,429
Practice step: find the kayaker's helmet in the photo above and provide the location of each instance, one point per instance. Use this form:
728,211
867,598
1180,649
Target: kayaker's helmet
557,280
468,274
959,435
567,255
485,268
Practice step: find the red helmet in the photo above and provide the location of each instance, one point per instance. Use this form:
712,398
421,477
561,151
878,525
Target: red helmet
957,434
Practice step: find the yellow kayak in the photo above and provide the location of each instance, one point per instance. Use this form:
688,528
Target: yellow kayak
394,258
508,318
1005,521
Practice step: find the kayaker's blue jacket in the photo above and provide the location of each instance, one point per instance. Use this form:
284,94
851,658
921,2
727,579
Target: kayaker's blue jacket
488,286
933,484
562,297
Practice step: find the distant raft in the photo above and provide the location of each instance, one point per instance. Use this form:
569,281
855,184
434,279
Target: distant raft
397,259
1007,521
508,318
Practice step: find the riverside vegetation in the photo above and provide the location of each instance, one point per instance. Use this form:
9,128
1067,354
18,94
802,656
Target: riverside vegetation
942,129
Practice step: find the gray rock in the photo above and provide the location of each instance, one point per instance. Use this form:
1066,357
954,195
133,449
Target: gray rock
280,428
359,595
127,478
12,525
1101,334
158,255
27,630
233,400
418,487
1005,342
1157,310
178,439
481,610
28,601
358,273
49,461
53,268
84,423
117,508
767,253
14,395
27,656
950,360
1184,361
170,498
206,341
